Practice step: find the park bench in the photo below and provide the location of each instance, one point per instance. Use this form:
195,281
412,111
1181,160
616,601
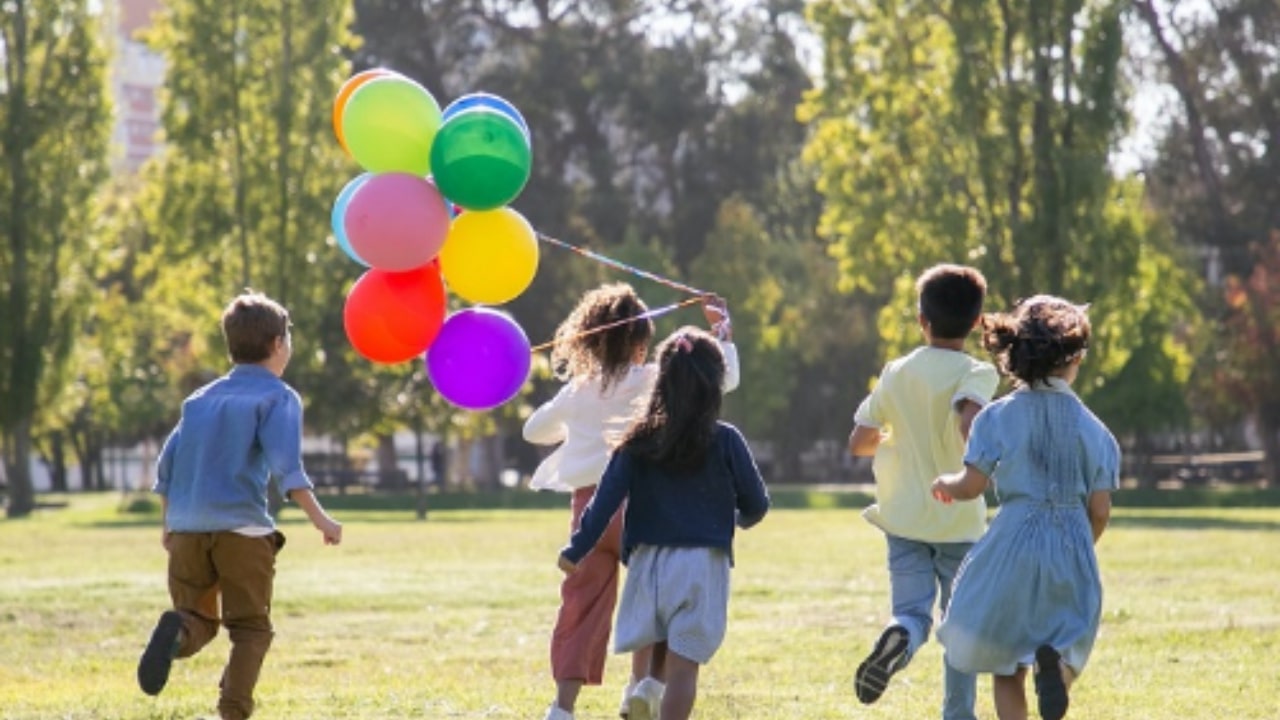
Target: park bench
1210,468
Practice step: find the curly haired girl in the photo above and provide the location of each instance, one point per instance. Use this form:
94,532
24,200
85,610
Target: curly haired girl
1029,593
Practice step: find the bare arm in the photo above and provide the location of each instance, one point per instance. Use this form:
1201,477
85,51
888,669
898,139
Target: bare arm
864,440
968,410
964,485
332,529
1099,513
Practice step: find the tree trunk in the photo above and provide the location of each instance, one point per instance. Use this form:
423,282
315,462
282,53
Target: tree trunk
388,464
95,463
57,463
420,462
1269,428
22,495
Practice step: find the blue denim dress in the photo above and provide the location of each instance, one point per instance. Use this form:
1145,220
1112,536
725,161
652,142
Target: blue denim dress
1033,577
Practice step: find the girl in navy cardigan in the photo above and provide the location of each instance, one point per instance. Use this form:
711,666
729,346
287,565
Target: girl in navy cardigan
688,480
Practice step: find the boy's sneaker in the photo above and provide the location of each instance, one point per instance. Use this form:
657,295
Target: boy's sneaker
888,657
555,713
153,668
1051,688
645,700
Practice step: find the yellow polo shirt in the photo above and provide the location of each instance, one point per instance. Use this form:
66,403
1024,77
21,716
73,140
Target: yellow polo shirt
914,403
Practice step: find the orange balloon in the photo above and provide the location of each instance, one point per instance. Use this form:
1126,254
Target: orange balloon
344,92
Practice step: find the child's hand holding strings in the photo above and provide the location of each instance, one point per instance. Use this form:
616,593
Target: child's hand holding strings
716,311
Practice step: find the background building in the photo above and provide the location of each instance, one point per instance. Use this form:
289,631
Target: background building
136,76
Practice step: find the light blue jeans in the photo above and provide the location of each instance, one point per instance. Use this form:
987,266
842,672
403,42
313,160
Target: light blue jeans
919,572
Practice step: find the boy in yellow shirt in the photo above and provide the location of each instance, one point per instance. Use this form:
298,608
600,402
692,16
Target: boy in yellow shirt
915,424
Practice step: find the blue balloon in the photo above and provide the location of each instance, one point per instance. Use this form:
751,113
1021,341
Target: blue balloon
491,101
337,219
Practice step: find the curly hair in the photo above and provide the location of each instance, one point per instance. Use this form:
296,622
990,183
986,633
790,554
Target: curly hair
609,352
1040,336
676,429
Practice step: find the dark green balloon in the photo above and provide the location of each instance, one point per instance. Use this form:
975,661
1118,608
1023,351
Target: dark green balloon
480,159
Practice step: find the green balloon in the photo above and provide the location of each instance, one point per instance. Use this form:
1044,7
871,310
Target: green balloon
480,159
389,124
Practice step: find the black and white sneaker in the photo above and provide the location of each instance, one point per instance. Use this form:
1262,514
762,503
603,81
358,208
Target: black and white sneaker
153,668
1051,689
888,657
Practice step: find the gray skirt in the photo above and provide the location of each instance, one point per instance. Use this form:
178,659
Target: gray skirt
678,595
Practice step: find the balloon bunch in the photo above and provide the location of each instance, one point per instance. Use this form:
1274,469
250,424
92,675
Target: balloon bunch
430,212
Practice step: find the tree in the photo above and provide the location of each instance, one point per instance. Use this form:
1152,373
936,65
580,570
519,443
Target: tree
980,132
242,194
54,128
669,149
1225,126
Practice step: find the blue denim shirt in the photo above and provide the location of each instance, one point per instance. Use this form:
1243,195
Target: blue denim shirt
689,509
234,434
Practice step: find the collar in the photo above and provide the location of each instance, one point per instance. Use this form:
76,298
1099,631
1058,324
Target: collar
252,369
1053,384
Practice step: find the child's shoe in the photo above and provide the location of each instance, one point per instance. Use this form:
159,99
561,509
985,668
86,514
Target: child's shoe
645,700
1051,687
157,659
555,713
624,709
888,657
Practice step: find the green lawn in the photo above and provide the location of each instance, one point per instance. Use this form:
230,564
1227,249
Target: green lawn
449,618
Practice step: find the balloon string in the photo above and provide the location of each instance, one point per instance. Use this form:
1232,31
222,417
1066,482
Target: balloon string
601,328
622,266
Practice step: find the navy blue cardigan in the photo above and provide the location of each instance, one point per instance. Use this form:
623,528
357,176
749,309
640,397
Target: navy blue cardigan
676,509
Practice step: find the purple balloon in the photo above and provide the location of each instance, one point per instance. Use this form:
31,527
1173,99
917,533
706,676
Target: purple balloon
480,359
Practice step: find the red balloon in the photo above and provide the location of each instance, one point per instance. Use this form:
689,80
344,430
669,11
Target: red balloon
391,317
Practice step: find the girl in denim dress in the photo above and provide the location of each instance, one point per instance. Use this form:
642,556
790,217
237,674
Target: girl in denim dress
1029,592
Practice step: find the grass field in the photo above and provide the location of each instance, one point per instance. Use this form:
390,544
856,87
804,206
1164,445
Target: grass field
449,618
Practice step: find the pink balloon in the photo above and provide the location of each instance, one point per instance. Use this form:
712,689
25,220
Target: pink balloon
396,221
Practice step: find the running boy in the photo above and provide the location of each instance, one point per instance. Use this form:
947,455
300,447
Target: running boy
915,423
234,434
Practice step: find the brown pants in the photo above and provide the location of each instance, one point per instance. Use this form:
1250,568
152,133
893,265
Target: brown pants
241,570
580,641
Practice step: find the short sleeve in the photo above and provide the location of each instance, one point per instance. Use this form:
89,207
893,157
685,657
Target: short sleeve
984,450
978,385
870,412
1106,472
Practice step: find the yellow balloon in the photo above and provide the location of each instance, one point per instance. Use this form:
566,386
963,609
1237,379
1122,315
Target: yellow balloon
490,256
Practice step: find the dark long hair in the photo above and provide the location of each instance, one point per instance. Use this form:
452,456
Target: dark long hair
677,428
1042,335
610,352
